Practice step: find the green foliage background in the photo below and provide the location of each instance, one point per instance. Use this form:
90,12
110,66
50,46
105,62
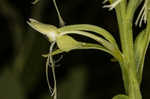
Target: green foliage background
82,74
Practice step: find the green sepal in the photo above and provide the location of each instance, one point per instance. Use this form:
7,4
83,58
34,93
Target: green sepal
120,97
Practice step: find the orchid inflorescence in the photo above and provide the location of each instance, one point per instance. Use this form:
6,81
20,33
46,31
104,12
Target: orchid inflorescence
131,57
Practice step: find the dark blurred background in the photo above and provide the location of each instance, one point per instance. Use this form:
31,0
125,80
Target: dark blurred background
81,74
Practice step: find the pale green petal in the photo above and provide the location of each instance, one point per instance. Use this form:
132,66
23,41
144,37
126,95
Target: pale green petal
49,30
90,28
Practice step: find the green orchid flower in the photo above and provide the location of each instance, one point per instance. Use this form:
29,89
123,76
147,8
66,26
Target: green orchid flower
67,43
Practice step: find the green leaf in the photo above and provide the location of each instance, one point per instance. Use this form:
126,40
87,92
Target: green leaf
139,45
140,50
120,97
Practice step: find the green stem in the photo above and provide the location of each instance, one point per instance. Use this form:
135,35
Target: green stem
134,88
128,66
124,77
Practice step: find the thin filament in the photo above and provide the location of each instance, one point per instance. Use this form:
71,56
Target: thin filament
47,65
51,61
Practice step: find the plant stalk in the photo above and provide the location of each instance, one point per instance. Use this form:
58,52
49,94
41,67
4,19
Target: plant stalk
128,66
